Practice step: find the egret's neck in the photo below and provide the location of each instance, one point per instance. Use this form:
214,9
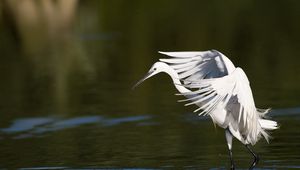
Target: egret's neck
173,74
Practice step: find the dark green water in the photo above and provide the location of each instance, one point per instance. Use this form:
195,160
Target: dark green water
65,93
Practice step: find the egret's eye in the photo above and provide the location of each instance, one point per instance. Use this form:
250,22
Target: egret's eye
154,69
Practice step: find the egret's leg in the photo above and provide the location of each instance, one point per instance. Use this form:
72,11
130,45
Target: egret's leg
228,136
256,158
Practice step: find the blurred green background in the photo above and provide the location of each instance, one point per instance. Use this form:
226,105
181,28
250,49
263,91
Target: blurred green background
67,68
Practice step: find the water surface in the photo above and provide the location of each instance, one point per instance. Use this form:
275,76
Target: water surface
65,93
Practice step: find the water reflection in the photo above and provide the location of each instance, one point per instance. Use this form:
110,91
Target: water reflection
33,127
294,111
21,125
145,141
41,125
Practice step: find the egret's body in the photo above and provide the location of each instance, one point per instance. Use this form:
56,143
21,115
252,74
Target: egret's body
209,80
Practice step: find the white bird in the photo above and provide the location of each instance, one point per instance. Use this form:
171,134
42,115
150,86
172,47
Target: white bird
209,80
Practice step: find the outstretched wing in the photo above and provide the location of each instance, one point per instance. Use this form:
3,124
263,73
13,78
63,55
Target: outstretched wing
233,93
193,66
216,91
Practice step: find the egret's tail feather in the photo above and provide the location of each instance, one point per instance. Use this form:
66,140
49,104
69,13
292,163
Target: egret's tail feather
263,112
268,124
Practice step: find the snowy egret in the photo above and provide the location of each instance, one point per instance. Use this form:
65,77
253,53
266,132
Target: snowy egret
209,80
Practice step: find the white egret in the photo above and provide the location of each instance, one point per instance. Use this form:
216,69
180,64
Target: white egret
209,80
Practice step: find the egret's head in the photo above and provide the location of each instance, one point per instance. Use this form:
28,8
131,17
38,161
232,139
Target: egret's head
156,68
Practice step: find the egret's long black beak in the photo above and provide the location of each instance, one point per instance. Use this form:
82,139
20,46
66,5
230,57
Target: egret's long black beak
149,74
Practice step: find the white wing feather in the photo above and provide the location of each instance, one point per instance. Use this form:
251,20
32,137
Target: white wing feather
235,84
222,91
192,66
187,54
